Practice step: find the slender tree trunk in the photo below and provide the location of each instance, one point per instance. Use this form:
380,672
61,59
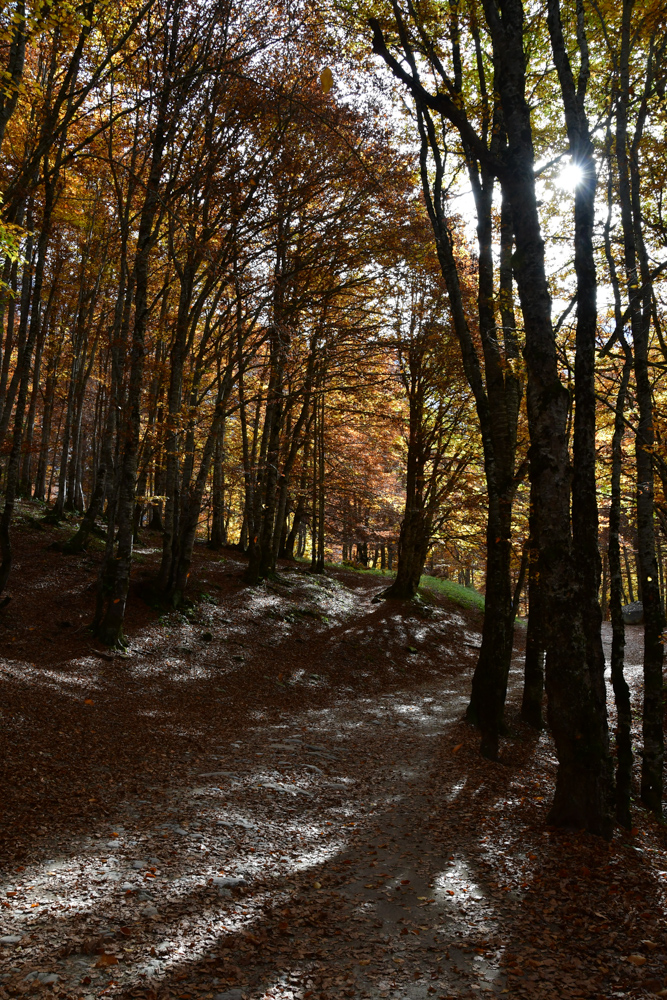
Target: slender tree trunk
619,683
115,575
218,532
639,293
533,684
192,508
45,431
26,473
628,573
23,369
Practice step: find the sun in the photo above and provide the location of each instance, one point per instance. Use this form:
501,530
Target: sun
570,176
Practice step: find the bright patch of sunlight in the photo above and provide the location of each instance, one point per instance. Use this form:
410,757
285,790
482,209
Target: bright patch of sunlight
570,177
457,881
178,670
61,888
456,791
55,679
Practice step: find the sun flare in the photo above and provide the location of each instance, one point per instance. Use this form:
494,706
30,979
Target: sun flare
570,177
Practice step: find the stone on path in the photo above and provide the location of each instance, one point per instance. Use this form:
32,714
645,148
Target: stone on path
228,881
633,614
45,978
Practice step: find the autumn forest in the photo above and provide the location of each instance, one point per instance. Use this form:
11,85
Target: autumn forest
333,334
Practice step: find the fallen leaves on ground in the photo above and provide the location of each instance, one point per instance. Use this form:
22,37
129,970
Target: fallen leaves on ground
265,799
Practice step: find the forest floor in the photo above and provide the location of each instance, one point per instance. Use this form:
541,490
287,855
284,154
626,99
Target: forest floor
274,795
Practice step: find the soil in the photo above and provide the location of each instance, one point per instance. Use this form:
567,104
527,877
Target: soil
274,795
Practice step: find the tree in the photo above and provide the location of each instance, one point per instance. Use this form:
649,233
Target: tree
574,664
437,453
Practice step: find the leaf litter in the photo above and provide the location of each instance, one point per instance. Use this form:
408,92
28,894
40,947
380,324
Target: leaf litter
308,819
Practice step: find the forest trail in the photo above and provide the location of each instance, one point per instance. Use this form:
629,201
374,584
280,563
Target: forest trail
274,795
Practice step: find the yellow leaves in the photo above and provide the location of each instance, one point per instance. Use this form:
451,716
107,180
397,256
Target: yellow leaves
326,80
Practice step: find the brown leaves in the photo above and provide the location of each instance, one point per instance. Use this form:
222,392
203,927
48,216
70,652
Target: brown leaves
637,959
105,960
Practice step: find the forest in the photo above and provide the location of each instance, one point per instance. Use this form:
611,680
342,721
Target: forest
333,459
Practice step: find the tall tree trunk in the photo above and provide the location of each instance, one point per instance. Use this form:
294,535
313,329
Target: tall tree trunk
587,564
575,684
638,281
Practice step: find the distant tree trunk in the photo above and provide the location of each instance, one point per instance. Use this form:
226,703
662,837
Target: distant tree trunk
619,683
320,449
218,529
26,474
628,573
413,545
9,300
45,430
533,684
156,521
191,510
415,533
299,515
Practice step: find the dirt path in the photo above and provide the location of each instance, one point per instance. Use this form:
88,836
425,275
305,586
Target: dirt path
275,796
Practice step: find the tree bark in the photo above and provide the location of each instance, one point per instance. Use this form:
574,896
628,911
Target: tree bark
638,281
